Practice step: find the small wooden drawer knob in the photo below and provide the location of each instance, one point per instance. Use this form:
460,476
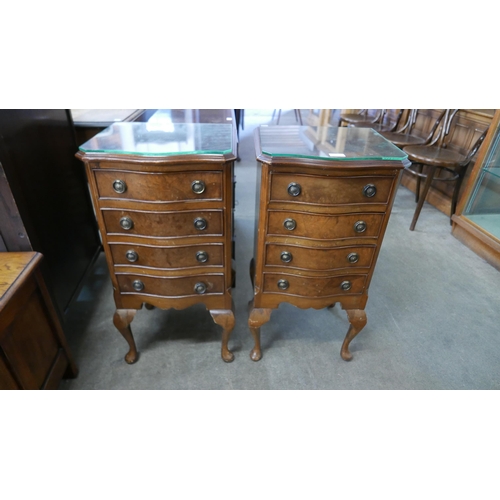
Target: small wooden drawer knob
138,285
200,223
202,256
360,226
286,257
131,256
200,288
126,223
283,284
345,285
119,186
198,187
294,189
290,224
353,257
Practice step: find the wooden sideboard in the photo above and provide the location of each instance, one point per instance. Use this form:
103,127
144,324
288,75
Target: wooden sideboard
164,204
33,350
323,203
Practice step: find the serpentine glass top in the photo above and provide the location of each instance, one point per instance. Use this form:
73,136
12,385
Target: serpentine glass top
331,143
162,138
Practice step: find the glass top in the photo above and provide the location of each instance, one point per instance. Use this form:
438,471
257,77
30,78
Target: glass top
162,138
330,143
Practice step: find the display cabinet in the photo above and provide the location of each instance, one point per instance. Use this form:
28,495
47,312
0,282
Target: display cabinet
477,221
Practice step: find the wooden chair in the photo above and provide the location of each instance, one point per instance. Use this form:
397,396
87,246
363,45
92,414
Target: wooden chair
419,128
443,154
298,116
364,115
389,120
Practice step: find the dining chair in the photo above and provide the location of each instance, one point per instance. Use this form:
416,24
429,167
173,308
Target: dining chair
298,116
363,115
419,128
388,121
443,156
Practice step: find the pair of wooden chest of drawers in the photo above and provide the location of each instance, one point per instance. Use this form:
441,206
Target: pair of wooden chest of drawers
166,225
320,221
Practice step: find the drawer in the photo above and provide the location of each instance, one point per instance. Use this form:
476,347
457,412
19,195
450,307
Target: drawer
206,284
314,287
324,227
159,186
319,259
168,257
164,224
325,190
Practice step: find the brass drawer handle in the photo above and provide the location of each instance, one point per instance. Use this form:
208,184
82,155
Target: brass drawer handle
119,186
131,256
360,226
370,190
126,223
290,224
294,189
353,257
345,285
202,256
283,284
200,288
138,285
286,257
198,187
200,223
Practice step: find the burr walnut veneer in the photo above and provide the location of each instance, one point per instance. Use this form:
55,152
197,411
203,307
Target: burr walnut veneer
163,197
323,203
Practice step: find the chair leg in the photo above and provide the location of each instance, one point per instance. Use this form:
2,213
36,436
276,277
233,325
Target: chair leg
428,181
454,198
279,116
300,116
418,168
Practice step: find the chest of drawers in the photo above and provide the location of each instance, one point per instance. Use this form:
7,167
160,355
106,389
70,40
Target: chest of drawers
164,204
323,204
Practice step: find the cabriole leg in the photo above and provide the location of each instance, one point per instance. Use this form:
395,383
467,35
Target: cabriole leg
256,319
357,319
122,319
225,318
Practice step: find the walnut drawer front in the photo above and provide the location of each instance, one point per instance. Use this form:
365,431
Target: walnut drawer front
168,257
303,286
206,284
319,259
327,190
159,186
164,224
324,227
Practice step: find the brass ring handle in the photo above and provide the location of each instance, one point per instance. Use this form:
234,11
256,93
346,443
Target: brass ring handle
200,288
200,223
290,224
294,189
346,285
119,186
131,256
138,285
202,256
198,187
126,223
286,257
283,284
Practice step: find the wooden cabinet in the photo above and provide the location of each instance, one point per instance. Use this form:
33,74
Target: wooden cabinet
164,204
323,204
33,350
44,200
477,219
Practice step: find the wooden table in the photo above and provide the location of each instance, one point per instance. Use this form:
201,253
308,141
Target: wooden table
323,205
163,194
33,350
